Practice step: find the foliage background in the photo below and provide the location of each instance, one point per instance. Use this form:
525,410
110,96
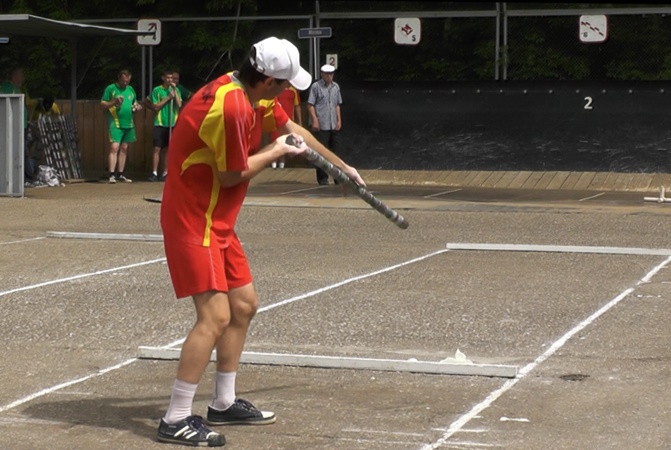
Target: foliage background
451,49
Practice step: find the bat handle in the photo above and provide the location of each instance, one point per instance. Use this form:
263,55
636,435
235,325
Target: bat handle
291,141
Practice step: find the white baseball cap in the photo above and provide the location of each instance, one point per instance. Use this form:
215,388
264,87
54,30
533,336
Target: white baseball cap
328,68
279,58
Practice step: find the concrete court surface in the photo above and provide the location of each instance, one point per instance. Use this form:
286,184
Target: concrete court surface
589,332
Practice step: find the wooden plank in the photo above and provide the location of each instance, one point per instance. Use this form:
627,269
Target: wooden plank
106,236
340,362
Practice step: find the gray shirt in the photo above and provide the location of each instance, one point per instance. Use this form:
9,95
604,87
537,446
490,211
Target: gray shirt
325,99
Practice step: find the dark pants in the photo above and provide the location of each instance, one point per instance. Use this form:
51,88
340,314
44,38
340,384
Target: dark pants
329,139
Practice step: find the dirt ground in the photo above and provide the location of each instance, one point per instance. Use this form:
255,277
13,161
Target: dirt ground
588,331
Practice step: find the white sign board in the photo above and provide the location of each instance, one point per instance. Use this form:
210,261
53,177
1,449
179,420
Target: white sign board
593,28
152,26
332,58
407,31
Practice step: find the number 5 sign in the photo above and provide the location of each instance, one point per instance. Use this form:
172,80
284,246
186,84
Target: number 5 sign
407,31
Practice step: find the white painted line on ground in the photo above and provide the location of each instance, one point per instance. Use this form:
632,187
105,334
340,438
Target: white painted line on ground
108,236
561,249
385,432
341,362
179,341
77,277
23,240
591,197
492,397
302,190
442,193
64,385
351,280
472,444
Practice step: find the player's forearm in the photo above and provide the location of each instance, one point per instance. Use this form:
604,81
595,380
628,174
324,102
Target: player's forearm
255,164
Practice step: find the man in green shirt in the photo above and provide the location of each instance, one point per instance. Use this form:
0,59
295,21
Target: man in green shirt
120,101
14,85
183,91
166,101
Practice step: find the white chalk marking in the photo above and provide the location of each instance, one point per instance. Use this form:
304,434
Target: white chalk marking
514,419
64,385
561,249
473,444
492,397
385,432
349,280
591,197
77,277
179,341
442,193
302,190
22,240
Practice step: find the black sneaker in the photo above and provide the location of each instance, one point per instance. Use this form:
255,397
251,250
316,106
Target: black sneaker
123,179
241,412
190,431
152,177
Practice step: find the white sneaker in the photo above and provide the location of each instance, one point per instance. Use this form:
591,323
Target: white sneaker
112,179
273,165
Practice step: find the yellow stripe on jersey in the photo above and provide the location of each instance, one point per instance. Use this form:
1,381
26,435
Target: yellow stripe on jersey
205,156
213,128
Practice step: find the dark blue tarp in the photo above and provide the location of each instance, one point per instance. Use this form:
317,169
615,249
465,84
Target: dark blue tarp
616,127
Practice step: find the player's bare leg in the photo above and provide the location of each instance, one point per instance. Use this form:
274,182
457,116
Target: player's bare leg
226,408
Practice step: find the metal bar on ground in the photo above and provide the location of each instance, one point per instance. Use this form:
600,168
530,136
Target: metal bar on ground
108,236
561,249
340,362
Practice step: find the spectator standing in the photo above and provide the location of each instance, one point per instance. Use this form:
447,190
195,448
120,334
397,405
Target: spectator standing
166,101
183,91
14,84
290,101
324,108
120,102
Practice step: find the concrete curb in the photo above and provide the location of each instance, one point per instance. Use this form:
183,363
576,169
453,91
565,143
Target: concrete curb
587,181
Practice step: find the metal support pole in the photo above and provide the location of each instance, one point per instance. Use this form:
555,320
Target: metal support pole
73,81
315,41
505,42
144,72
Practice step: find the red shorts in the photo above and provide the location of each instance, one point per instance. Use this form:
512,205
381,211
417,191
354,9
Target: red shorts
195,269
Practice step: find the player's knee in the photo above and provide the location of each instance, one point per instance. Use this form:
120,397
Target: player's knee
216,324
245,308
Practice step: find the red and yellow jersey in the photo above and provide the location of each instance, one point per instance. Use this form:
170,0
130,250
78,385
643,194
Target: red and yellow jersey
269,117
213,134
289,99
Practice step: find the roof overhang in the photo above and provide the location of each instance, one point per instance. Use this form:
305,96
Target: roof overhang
29,25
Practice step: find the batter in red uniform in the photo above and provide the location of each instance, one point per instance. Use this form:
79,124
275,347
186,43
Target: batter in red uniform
214,152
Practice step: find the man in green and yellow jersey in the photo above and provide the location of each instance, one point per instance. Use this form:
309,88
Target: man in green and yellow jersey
166,101
120,101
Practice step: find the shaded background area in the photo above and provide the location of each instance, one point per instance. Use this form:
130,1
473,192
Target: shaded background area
538,126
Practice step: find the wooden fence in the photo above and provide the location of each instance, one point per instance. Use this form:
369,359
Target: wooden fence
94,139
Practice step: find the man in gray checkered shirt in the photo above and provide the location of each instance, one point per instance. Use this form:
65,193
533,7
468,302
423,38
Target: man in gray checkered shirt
324,106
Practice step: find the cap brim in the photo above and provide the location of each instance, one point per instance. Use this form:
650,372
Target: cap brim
302,80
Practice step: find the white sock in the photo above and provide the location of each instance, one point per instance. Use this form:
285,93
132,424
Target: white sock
281,165
154,172
224,390
180,402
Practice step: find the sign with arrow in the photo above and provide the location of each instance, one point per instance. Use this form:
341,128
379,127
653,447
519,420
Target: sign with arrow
153,29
